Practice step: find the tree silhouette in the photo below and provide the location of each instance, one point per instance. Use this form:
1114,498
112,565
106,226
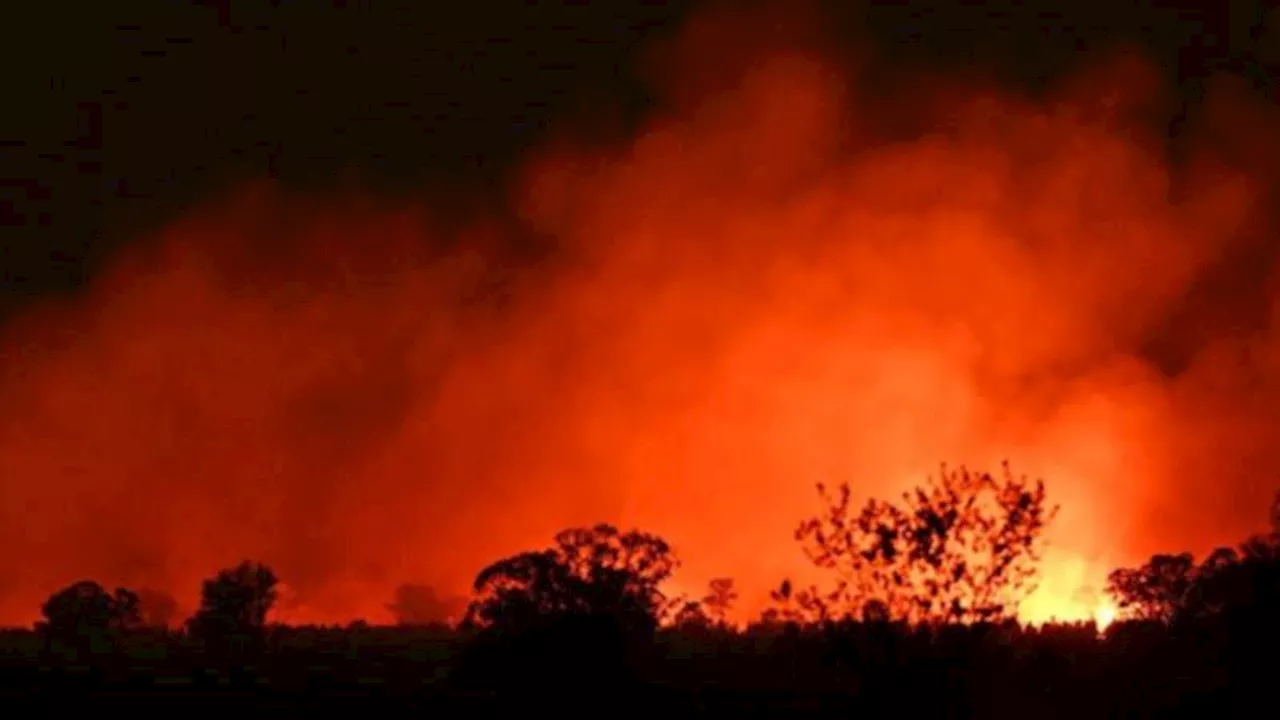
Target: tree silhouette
573,615
965,547
1240,582
86,617
719,600
597,571
712,610
1162,589
234,605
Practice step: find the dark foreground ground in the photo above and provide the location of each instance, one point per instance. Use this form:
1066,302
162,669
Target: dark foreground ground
1133,670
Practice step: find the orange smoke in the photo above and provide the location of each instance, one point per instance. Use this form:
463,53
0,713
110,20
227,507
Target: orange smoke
755,294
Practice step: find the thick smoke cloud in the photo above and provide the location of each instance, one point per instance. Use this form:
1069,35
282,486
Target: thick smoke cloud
758,292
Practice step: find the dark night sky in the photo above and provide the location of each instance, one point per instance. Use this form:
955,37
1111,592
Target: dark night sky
118,113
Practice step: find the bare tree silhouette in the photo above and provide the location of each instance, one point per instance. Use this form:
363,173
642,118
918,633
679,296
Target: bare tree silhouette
964,547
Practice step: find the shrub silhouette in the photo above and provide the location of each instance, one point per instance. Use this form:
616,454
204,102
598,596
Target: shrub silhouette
85,617
234,606
965,547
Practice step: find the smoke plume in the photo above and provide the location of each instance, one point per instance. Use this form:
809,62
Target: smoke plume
766,287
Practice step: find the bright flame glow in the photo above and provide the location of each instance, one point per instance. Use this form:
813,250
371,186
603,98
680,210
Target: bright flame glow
1104,615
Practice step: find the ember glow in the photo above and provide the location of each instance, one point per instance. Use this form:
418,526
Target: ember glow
757,292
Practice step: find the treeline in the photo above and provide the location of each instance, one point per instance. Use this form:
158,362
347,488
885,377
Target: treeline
919,615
